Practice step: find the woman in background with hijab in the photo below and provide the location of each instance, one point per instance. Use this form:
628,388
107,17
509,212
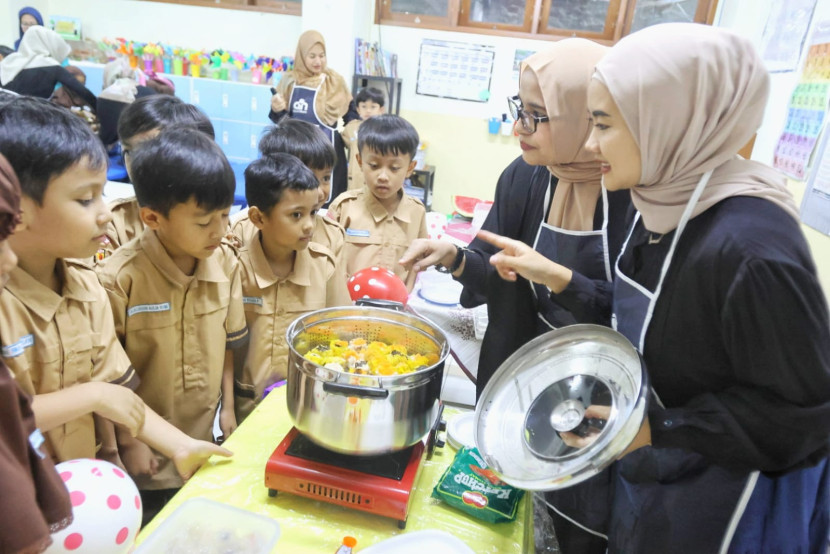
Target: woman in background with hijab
717,289
33,499
27,18
551,201
35,68
315,93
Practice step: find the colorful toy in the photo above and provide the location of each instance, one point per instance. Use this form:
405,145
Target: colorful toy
106,507
377,283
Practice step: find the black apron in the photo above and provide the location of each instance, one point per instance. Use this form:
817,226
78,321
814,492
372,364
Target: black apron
303,107
584,252
584,505
672,500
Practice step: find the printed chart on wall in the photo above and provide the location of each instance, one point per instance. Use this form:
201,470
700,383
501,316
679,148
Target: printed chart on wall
815,207
807,108
455,70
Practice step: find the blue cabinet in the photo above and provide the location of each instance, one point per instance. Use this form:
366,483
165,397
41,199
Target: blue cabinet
238,111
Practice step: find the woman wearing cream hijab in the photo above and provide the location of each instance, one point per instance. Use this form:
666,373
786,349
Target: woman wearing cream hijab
317,94
717,289
35,69
549,199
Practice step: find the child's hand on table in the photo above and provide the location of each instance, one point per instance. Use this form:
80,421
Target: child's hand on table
227,421
191,455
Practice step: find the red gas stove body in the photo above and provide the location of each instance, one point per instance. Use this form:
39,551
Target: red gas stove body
300,467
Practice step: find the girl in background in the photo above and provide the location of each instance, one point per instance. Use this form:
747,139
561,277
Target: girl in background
27,18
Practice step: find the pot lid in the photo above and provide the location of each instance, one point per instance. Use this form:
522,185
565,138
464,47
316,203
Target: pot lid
545,389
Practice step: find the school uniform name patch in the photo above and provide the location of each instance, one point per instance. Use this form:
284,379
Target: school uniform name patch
141,308
18,347
252,300
357,232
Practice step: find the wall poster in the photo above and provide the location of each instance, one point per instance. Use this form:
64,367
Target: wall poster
455,70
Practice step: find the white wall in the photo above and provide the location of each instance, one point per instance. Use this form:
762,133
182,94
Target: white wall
406,42
247,32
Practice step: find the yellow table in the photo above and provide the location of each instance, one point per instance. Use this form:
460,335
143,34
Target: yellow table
311,526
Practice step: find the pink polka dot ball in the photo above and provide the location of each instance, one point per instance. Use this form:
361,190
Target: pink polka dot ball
106,508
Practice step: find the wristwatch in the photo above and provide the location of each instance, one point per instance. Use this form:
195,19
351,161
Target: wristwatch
456,263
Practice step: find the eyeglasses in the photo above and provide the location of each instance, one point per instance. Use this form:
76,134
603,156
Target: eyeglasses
518,113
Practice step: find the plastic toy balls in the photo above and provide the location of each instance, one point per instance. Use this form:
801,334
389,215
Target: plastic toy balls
106,507
377,283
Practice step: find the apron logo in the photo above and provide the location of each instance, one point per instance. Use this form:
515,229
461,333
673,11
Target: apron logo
300,106
141,308
16,349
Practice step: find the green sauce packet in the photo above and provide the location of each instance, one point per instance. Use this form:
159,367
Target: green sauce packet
476,490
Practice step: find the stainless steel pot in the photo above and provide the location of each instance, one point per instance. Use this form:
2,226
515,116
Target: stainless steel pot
363,414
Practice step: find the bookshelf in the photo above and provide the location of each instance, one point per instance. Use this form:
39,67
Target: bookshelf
392,86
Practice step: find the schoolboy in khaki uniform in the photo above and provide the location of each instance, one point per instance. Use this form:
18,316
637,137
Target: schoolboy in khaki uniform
175,290
57,333
369,102
284,273
140,121
308,143
381,221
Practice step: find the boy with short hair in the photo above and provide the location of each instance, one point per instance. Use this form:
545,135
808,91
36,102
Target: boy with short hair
175,290
307,142
57,334
140,121
284,273
381,221
369,102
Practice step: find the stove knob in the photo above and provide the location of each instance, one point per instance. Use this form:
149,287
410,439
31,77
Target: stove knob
439,443
442,425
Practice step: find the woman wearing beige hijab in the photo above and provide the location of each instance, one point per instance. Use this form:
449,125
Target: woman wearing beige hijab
717,289
317,94
549,199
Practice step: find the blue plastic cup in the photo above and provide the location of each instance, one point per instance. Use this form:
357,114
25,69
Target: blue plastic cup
494,124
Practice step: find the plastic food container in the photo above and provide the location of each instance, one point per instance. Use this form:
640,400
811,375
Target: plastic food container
202,526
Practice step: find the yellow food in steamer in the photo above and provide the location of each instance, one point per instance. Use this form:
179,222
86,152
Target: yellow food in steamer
368,358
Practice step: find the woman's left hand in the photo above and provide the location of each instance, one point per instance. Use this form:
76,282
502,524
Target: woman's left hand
517,258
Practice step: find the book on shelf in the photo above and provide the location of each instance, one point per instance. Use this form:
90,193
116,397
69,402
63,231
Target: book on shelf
371,59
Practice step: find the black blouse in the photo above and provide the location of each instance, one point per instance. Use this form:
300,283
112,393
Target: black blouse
41,81
738,349
518,210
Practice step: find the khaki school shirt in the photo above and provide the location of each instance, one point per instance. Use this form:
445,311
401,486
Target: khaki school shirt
176,329
272,304
327,232
126,224
53,341
374,237
349,134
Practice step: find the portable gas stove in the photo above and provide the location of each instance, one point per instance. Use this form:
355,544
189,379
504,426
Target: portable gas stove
379,485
